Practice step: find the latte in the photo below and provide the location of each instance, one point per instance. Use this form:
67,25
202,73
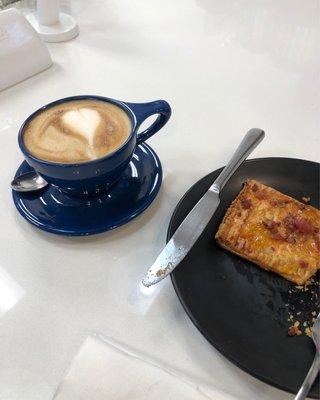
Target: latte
77,131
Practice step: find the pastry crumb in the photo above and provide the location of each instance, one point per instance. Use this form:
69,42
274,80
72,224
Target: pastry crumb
308,332
305,199
303,306
294,329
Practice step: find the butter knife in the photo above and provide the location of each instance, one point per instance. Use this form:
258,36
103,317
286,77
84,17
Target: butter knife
193,225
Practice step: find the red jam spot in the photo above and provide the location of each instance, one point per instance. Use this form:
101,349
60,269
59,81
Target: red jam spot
246,203
303,264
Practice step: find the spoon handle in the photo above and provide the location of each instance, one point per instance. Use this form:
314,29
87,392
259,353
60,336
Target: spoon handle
311,376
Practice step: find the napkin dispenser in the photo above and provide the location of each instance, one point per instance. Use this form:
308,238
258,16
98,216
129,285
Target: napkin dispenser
22,52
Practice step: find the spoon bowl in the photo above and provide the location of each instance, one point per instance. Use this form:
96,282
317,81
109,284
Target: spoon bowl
315,367
28,182
316,333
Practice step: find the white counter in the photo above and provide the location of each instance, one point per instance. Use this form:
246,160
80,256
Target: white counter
224,66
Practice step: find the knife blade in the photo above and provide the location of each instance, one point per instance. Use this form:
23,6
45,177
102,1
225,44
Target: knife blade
198,218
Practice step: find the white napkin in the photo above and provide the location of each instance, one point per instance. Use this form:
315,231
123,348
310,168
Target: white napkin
105,370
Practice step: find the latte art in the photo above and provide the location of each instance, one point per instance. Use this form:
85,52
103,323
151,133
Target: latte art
77,131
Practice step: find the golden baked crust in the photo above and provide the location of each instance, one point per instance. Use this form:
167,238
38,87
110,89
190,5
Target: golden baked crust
273,230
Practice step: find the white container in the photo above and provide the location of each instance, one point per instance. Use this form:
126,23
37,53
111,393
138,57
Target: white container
52,25
22,52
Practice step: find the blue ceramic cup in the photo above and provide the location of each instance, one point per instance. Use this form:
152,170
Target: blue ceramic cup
96,176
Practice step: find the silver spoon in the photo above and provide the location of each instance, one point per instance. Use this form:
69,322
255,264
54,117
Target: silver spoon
28,182
315,367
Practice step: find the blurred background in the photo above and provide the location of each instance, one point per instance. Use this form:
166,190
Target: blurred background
24,3
29,5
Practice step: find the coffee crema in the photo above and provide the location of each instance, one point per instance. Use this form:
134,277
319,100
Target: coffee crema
77,131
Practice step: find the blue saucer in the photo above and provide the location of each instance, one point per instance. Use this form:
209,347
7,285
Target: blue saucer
54,211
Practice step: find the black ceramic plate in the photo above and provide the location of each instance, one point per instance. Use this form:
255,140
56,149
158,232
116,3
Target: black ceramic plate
241,309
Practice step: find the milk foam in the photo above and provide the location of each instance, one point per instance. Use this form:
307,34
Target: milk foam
84,121
77,131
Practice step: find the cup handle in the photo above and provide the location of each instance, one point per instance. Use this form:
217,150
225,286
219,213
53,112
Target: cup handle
145,110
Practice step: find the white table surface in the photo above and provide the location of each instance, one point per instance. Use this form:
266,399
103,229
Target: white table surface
224,66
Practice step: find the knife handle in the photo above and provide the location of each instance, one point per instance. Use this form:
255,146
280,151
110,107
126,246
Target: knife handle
248,144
